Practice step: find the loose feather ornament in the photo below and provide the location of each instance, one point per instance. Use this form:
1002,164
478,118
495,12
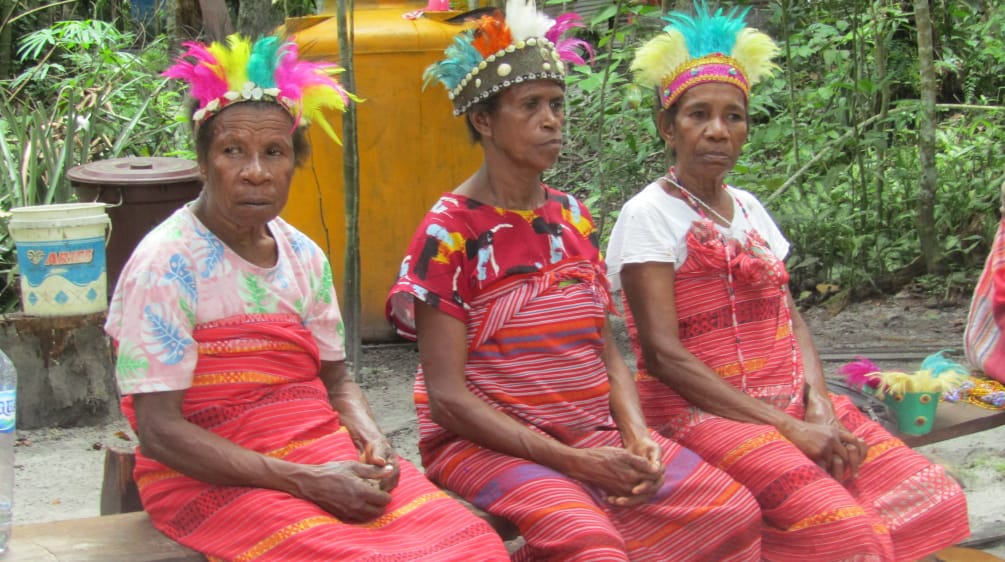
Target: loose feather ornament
860,373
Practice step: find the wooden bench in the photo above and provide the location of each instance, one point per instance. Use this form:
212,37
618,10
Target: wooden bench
126,537
956,420
124,533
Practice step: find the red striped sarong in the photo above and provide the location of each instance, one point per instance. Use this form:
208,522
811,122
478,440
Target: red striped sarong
534,353
900,507
256,384
982,339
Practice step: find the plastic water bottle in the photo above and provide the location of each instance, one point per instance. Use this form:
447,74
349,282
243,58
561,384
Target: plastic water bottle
8,401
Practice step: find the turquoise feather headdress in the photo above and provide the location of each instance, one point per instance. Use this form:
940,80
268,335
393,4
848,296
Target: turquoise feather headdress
502,51
706,47
219,75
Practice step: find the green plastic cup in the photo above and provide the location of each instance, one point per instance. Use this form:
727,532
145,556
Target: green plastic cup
915,411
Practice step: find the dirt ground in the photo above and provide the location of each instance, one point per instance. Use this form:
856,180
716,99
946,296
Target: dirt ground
59,470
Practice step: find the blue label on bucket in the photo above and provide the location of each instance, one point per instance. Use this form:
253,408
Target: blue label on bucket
8,409
80,261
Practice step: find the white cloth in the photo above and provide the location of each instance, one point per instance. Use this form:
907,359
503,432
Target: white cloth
653,226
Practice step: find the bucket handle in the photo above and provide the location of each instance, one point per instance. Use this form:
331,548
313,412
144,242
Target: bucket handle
108,233
119,204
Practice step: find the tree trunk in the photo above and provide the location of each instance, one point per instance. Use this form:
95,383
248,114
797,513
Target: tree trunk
257,17
881,38
786,8
926,140
351,299
6,40
201,19
216,19
860,189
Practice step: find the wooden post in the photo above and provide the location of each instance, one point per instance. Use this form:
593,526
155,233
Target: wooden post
352,306
119,493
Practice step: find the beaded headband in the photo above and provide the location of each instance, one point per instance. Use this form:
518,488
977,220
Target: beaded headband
220,75
705,48
500,52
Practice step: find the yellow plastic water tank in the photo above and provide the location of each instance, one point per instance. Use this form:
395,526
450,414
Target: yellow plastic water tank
411,148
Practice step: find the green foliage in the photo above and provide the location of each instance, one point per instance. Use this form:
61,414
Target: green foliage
83,35
973,58
832,149
611,144
83,96
863,125
987,462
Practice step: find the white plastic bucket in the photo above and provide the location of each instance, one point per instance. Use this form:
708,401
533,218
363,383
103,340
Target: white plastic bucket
61,257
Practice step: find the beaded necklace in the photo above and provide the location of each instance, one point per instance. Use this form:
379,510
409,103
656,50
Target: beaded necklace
695,201
699,207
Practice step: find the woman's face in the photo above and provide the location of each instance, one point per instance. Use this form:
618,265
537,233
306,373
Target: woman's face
527,126
248,165
708,130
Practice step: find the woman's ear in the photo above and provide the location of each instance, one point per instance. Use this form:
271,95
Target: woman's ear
664,124
481,121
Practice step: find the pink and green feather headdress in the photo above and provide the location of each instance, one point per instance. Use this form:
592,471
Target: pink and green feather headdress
499,52
219,75
706,47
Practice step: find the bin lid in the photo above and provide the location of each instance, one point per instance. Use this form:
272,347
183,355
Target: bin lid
379,29
135,170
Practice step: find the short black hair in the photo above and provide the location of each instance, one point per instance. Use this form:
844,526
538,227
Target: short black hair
204,137
488,105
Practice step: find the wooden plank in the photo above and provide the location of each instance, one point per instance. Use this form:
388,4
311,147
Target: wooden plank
954,419
128,537
960,554
881,354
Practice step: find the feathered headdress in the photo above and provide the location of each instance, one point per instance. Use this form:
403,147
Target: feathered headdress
500,52
270,70
704,48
